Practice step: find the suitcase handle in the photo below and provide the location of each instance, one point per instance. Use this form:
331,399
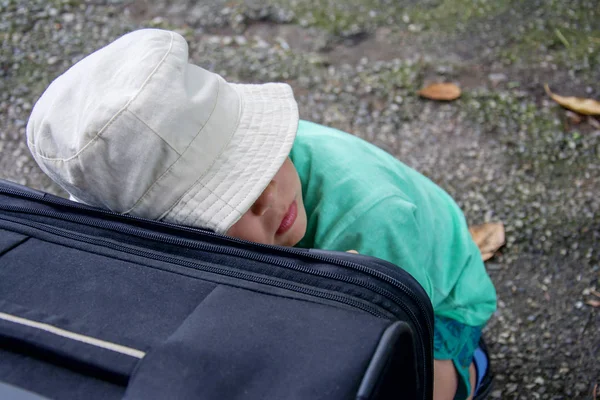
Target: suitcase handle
393,368
50,338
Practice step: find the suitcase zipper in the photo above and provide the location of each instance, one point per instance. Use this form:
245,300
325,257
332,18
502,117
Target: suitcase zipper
32,194
204,267
214,248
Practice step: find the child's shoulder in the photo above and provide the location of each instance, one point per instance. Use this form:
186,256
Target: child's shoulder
313,133
335,152
331,163
323,143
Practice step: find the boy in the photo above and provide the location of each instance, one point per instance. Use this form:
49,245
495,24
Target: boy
136,129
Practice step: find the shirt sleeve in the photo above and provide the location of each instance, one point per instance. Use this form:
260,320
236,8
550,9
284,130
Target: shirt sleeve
445,262
397,240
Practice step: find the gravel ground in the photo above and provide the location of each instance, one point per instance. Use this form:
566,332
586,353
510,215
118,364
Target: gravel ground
504,151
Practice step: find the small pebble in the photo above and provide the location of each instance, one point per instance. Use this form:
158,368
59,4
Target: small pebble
497,78
539,380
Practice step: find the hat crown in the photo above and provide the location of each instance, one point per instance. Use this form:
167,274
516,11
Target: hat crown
96,89
118,119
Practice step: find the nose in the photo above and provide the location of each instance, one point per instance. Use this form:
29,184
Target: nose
266,200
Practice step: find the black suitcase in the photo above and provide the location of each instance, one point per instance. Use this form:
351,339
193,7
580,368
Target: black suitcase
96,305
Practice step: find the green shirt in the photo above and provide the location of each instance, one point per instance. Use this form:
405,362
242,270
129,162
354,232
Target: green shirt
358,197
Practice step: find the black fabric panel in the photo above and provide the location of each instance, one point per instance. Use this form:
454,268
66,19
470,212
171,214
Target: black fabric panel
14,393
10,240
110,299
52,381
239,344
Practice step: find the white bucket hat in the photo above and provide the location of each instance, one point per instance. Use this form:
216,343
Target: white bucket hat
136,129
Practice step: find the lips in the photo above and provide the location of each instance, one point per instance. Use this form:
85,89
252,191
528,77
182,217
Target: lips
288,219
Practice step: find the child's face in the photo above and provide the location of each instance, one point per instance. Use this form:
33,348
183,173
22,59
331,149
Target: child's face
278,215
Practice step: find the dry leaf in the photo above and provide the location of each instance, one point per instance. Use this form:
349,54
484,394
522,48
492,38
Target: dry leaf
577,104
593,303
488,237
440,91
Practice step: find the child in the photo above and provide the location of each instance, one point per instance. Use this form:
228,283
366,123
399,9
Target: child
136,129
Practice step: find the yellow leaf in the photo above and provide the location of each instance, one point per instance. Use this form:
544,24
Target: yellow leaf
488,237
440,91
577,104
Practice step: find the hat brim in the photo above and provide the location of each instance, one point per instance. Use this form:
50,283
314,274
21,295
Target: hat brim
268,122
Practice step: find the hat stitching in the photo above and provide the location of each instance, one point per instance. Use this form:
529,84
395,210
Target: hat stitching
206,210
269,167
175,162
200,216
118,113
273,144
273,160
224,204
197,187
186,148
153,131
207,119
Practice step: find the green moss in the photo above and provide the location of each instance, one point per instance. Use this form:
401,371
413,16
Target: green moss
354,16
565,46
449,15
343,18
67,3
393,75
536,139
564,33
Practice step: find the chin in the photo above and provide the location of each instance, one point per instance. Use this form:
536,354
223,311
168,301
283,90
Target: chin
297,235
293,236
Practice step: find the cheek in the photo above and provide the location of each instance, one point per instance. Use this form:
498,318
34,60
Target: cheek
289,177
249,228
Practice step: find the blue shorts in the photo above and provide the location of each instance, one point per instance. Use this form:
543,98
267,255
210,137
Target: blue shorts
457,342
